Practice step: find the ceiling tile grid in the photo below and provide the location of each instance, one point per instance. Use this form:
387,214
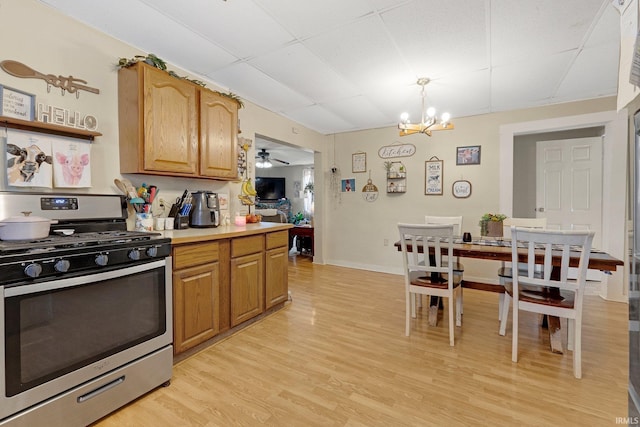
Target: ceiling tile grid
336,65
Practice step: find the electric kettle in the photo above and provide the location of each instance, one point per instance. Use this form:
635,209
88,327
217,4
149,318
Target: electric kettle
206,209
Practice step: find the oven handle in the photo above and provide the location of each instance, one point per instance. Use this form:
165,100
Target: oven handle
82,280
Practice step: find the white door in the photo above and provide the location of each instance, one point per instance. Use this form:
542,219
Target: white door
569,186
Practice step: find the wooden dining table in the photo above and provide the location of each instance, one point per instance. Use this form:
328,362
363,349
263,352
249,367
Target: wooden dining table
500,250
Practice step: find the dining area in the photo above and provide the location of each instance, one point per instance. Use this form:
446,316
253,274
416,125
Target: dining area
542,271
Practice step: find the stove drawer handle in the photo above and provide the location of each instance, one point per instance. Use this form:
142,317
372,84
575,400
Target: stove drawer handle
101,389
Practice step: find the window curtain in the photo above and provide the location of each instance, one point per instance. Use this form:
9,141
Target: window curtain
307,184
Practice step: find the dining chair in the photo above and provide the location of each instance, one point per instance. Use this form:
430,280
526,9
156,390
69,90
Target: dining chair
505,271
427,272
458,268
551,292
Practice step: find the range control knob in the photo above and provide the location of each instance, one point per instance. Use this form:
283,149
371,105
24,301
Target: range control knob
134,254
62,266
152,251
33,270
102,260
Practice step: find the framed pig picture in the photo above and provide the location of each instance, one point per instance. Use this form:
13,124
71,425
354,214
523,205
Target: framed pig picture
71,163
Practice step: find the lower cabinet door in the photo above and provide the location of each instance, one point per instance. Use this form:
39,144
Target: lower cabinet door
247,287
276,281
196,305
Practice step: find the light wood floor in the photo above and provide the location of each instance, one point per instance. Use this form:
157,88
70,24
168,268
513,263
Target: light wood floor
337,356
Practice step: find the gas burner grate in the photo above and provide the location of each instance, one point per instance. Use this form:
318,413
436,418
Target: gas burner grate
78,240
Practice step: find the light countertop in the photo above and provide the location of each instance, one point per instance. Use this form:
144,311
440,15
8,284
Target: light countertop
192,235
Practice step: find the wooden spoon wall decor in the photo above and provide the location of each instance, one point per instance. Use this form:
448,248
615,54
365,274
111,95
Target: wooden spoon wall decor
69,84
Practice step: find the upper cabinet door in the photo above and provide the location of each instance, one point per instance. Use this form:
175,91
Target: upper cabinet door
218,136
170,124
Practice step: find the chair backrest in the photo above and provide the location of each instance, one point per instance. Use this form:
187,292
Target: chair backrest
540,223
434,239
456,221
552,243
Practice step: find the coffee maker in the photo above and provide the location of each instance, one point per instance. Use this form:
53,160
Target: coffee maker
206,209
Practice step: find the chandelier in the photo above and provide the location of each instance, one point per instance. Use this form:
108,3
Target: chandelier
429,122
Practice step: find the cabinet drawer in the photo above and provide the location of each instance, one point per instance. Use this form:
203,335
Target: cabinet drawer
277,239
247,245
196,254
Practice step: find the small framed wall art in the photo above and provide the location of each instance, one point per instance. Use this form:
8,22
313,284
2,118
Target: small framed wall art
359,162
468,155
433,169
461,189
17,104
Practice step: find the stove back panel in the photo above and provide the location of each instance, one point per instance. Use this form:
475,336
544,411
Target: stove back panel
64,207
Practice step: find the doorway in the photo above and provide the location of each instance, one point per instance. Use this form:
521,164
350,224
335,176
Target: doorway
615,125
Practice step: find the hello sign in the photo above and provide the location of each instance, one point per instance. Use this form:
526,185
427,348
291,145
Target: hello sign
397,150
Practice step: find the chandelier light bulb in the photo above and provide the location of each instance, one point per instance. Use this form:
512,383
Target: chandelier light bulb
428,121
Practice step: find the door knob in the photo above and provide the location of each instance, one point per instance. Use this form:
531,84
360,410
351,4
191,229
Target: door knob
539,209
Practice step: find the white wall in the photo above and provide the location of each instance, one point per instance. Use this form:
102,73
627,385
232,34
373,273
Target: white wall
358,230
349,230
51,43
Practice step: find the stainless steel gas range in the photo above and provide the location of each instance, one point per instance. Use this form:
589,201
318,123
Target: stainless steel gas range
85,318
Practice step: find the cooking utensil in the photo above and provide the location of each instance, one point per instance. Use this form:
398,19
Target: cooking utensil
25,227
71,84
64,231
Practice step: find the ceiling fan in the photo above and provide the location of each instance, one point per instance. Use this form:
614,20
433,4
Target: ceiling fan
264,159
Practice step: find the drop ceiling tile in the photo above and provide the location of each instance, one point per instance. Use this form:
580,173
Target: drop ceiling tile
148,30
306,18
254,31
461,94
257,87
362,52
518,84
437,37
296,67
359,111
320,119
606,30
531,29
601,80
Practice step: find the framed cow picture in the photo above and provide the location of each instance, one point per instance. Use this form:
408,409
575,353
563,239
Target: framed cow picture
433,170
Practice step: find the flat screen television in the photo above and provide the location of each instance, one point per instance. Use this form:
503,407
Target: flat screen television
270,188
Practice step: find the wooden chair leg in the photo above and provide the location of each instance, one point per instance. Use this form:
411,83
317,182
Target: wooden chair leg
577,350
459,308
571,325
451,303
433,312
500,303
412,301
504,316
408,308
514,345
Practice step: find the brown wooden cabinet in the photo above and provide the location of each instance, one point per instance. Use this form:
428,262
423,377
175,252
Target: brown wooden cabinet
276,268
171,126
247,278
218,136
196,294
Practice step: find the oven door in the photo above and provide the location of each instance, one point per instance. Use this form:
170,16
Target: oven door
61,333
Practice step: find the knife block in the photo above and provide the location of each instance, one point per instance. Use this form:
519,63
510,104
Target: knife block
181,222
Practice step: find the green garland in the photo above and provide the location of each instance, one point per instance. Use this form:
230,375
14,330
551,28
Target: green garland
159,63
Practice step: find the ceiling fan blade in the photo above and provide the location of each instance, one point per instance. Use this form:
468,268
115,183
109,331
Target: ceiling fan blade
281,161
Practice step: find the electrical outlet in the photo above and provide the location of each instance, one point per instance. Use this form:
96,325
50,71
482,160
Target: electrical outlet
386,242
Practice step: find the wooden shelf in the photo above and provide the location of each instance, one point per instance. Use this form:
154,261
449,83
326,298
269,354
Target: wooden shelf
49,128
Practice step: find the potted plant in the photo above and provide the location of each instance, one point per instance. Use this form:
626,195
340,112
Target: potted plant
491,224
